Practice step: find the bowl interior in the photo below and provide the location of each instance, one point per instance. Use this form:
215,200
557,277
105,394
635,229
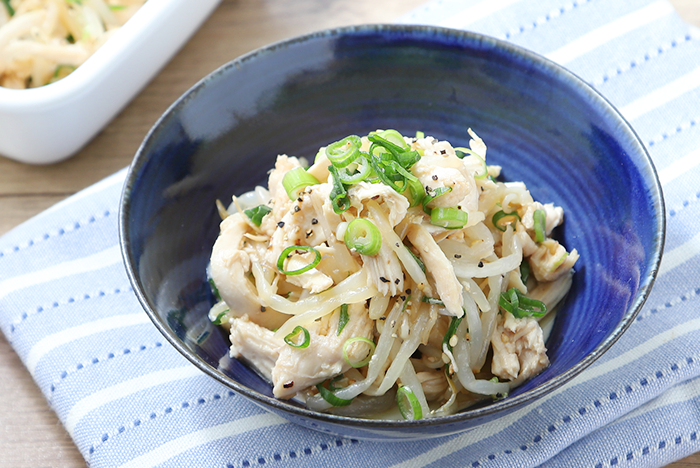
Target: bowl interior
540,123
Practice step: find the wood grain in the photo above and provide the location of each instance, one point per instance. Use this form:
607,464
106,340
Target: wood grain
30,434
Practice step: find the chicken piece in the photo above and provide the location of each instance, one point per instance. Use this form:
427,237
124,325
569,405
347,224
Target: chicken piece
551,260
447,170
518,348
279,200
554,216
300,225
230,265
255,344
529,245
312,280
299,368
448,287
392,202
385,271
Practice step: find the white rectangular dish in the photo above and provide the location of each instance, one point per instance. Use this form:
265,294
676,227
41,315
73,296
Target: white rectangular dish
51,123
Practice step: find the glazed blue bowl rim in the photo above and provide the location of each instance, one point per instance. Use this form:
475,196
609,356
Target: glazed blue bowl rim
280,406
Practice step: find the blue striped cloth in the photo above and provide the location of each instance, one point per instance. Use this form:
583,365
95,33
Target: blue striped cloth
129,400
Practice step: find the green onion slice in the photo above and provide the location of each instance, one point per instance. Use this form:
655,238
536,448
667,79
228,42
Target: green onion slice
217,320
339,194
417,259
432,195
408,403
363,236
361,169
343,152
521,306
257,214
432,300
501,219
293,338
419,135
448,218
416,192
117,7
214,289
296,180
540,217
524,271
330,397
286,252
343,319
10,10
451,330
354,340
331,383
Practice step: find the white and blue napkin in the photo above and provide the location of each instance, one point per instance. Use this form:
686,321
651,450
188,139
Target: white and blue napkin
130,400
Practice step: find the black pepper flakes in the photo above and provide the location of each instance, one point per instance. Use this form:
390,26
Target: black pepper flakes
262,309
442,151
297,208
314,221
481,264
403,298
397,281
435,177
289,384
299,200
458,256
384,280
280,224
408,291
309,233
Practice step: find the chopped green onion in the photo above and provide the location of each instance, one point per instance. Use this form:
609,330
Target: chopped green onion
214,289
297,179
520,306
417,259
361,170
501,219
10,10
391,146
408,403
354,340
217,320
416,192
559,262
540,226
343,152
451,330
432,195
293,338
363,236
335,379
117,7
257,214
432,300
394,137
330,397
448,218
286,252
60,72
419,135
524,271
339,194
343,319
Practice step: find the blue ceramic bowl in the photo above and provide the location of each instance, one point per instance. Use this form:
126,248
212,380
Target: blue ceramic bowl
541,123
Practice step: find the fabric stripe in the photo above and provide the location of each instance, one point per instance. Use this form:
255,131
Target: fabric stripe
679,167
662,95
477,12
610,31
124,389
204,436
51,342
679,255
97,261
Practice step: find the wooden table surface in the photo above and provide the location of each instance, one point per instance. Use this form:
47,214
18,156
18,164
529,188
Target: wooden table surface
30,434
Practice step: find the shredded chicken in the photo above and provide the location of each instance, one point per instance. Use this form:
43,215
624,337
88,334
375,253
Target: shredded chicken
518,348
